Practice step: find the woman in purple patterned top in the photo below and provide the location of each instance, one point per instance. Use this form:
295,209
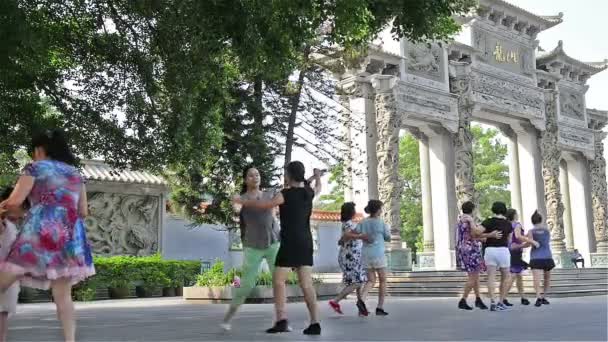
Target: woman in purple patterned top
468,254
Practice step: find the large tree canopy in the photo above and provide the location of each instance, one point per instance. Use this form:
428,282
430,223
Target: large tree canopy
178,84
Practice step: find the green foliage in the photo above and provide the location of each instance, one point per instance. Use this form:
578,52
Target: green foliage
151,271
334,200
411,205
182,86
491,172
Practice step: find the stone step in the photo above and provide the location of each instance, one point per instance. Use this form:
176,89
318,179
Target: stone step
454,293
461,284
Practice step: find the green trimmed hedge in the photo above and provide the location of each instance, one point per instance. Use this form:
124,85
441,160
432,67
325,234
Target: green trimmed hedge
150,272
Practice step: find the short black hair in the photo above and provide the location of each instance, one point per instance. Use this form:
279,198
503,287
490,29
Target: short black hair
56,145
373,206
537,217
511,214
499,208
468,207
347,211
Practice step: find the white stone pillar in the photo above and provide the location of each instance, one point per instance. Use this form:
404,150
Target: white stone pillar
514,177
565,190
440,147
577,184
532,186
363,138
425,185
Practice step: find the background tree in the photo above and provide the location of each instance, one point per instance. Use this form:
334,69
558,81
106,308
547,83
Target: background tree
411,203
491,171
178,84
334,200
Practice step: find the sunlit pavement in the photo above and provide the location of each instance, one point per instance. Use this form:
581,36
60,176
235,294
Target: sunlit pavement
167,319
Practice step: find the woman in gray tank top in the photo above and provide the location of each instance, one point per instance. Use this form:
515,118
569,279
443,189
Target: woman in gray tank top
541,258
260,237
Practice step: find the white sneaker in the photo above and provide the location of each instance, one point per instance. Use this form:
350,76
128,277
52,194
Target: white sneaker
226,326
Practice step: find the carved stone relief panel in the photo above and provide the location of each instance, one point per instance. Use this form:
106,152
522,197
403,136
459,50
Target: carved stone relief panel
427,105
425,60
577,139
120,224
508,96
572,105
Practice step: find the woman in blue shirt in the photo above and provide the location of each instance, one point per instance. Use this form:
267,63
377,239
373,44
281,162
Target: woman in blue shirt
541,258
372,254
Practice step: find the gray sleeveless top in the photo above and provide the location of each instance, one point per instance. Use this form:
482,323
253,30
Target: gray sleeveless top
260,225
541,235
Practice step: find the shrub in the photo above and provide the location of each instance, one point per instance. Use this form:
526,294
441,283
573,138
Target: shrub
215,276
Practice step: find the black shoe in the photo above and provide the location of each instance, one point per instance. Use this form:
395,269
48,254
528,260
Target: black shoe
362,308
462,304
479,304
313,329
279,327
538,303
545,301
493,307
524,301
506,302
381,312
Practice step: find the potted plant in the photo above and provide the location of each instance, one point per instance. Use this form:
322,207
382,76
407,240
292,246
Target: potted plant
153,279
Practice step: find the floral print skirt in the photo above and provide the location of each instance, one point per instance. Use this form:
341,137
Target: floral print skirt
469,258
349,259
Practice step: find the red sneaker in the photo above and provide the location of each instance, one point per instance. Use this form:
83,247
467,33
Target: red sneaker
336,307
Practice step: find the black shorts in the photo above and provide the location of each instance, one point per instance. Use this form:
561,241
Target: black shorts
542,264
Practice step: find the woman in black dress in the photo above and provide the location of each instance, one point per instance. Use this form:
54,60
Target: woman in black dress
296,250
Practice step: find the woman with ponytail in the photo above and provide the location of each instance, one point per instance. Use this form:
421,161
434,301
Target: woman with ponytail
296,250
51,249
260,237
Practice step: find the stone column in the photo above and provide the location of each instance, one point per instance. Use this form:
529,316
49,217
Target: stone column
514,177
363,159
599,198
565,191
460,84
579,193
532,187
551,156
426,257
440,148
389,186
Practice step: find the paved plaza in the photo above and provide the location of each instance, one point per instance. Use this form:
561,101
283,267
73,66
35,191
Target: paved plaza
164,319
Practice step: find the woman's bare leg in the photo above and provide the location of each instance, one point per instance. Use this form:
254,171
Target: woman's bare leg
280,299
62,295
6,280
3,326
536,274
520,285
382,289
468,286
348,289
310,295
371,281
547,283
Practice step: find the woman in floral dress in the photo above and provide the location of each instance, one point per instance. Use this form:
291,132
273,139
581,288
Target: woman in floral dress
468,254
51,249
349,259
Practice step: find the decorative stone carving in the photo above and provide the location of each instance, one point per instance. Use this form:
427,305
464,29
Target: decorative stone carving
428,104
389,185
123,224
577,139
348,145
551,156
572,105
599,194
460,83
424,58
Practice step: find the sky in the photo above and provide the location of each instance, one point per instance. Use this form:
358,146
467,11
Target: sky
583,32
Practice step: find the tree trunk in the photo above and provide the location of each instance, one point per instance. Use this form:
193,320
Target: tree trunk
295,103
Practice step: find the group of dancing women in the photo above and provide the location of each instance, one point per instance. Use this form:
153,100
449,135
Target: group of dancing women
50,250
496,246
290,246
